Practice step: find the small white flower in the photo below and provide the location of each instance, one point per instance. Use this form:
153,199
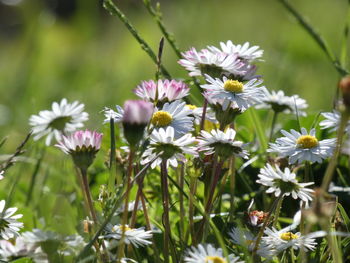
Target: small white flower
164,144
234,91
10,250
117,116
279,102
1,174
208,254
242,51
37,236
222,143
64,118
73,245
332,121
175,115
283,239
9,226
284,183
302,146
135,236
207,62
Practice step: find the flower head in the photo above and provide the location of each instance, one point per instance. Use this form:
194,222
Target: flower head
242,94
164,145
284,183
302,146
64,118
117,116
176,115
332,121
279,102
82,146
221,143
135,236
214,64
208,254
163,90
9,226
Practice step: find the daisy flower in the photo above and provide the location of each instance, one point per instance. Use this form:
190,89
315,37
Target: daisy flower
302,146
212,63
242,51
279,102
10,251
164,90
174,115
135,236
117,116
64,118
332,121
9,226
284,183
164,145
221,143
208,254
242,94
197,113
283,239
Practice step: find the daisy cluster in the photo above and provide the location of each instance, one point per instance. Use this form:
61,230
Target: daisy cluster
167,148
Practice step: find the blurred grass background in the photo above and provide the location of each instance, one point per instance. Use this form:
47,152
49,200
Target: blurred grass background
51,49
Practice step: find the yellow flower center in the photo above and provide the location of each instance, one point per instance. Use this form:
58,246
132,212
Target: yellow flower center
191,107
214,259
288,236
233,86
307,141
123,228
161,118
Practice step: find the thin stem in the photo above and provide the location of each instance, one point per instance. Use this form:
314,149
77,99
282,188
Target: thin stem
125,213
34,176
278,210
205,105
181,199
232,174
112,158
274,119
88,195
292,258
193,188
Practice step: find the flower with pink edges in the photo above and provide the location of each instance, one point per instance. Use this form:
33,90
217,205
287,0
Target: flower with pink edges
137,112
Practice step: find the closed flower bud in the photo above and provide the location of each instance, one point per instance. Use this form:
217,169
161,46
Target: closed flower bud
344,86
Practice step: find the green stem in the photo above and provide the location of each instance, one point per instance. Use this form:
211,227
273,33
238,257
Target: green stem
193,187
292,258
232,175
34,176
112,159
274,119
278,210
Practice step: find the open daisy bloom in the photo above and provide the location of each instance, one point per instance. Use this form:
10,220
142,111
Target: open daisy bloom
64,118
302,146
209,254
221,143
175,115
164,145
9,226
284,183
332,121
135,236
242,94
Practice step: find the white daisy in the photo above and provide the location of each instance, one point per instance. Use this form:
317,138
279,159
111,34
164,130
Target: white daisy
10,250
164,145
208,254
243,94
221,143
37,236
197,113
165,90
302,146
283,239
284,183
212,63
73,245
242,51
135,236
175,115
332,121
117,116
9,226
64,118
279,102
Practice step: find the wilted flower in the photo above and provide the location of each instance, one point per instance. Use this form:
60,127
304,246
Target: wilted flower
64,118
9,226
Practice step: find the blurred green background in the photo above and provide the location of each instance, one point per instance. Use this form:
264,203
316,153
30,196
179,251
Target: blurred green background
51,49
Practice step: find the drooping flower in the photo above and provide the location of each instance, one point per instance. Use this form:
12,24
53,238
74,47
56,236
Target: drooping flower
64,118
208,254
9,226
284,183
163,90
279,102
302,146
242,94
164,145
135,236
176,115
82,146
117,115
221,143
214,64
